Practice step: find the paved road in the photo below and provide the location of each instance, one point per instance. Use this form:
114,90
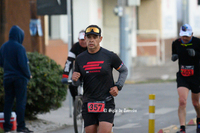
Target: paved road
135,97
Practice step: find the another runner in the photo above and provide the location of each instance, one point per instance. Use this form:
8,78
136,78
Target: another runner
94,67
76,49
187,50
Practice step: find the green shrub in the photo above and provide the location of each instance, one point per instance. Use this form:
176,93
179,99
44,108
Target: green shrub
45,90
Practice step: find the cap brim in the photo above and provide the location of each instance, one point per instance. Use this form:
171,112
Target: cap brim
92,33
185,34
81,37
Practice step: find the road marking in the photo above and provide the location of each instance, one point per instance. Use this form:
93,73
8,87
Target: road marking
191,112
163,111
129,125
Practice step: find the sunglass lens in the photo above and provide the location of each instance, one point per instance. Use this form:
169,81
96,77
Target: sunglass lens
92,29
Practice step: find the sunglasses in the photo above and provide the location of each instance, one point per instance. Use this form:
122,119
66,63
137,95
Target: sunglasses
184,28
94,29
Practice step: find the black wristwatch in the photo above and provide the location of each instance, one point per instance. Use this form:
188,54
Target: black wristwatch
119,87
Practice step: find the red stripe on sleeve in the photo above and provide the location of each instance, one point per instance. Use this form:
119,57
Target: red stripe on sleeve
65,76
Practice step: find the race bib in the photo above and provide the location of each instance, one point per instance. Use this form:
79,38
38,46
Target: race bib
187,71
96,107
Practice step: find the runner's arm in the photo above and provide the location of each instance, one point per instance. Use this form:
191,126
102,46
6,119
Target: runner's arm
197,50
76,73
193,52
68,64
174,52
123,72
121,68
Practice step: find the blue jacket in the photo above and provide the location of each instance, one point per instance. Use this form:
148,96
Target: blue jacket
13,56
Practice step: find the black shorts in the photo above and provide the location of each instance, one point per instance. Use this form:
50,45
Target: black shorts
95,118
192,83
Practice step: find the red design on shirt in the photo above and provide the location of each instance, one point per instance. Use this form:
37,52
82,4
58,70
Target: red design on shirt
93,65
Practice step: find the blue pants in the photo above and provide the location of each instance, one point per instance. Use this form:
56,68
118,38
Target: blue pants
15,87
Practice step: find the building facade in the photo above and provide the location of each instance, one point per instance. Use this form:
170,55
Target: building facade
152,25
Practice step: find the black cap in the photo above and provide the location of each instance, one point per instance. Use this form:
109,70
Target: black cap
93,29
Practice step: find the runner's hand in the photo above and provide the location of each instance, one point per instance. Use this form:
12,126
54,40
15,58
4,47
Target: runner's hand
174,57
191,52
114,91
76,76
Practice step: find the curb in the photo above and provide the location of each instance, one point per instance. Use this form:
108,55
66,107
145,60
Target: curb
43,126
192,122
130,82
170,129
174,128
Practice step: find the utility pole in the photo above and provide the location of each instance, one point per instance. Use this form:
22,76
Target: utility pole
36,41
72,23
69,24
125,49
70,43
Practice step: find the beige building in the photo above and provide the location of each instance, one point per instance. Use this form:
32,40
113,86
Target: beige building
152,25
150,29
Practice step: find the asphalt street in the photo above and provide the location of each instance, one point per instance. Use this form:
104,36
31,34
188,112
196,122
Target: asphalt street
135,97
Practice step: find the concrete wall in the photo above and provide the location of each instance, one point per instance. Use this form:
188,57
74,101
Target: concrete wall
159,15
87,12
59,27
149,15
194,16
168,19
110,26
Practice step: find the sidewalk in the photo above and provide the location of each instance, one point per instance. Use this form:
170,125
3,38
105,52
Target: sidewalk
61,117
166,71
51,121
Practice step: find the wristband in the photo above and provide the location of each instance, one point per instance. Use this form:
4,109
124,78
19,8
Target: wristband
119,87
65,76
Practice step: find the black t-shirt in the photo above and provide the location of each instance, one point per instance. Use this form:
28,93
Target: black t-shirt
185,61
96,73
77,49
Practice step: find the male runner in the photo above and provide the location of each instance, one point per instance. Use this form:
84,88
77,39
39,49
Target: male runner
94,67
187,50
76,49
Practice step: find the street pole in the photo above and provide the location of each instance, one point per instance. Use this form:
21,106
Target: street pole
124,33
72,24
69,24
69,14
